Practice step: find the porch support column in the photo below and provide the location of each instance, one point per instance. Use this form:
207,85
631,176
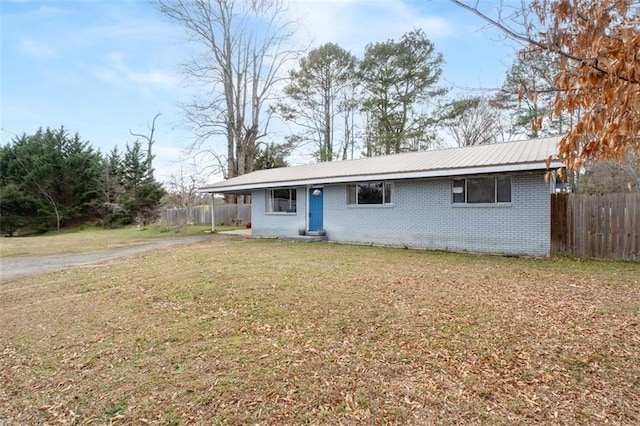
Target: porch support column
213,216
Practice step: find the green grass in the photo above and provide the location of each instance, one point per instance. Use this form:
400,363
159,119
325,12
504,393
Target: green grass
270,332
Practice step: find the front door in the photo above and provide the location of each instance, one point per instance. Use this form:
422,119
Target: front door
315,209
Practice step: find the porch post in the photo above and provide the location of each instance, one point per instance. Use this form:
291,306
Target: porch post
213,216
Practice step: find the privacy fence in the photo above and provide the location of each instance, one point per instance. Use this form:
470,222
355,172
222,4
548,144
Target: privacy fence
604,226
224,214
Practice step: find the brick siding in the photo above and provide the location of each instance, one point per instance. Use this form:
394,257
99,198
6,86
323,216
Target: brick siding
277,224
422,216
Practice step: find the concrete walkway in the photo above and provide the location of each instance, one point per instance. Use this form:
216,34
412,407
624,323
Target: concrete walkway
242,232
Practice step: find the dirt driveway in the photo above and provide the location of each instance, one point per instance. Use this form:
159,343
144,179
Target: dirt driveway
12,268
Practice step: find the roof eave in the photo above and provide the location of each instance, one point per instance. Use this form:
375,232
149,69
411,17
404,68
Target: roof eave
243,188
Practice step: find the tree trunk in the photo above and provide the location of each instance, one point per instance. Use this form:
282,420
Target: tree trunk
328,145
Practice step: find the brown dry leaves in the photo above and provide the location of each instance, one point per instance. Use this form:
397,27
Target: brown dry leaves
604,83
266,332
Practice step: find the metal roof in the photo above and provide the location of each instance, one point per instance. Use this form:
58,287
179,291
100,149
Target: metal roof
501,157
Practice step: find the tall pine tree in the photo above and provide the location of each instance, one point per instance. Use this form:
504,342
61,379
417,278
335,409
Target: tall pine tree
142,193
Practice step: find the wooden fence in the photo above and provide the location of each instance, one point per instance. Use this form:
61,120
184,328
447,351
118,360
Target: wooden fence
604,226
225,214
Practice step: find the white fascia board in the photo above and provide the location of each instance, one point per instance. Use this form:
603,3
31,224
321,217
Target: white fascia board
385,176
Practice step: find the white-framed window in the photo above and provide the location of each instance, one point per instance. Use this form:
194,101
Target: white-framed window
281,200
481,190
369,193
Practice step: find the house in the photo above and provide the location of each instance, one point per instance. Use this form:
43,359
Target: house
488,198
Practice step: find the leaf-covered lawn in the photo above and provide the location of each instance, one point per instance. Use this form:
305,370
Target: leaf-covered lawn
268,332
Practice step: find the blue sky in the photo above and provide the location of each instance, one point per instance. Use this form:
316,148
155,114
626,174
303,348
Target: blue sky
105,67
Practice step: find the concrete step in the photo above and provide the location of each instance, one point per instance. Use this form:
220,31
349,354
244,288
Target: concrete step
304,238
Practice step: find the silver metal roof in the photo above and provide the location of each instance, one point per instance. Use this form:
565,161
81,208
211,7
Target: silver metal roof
502,157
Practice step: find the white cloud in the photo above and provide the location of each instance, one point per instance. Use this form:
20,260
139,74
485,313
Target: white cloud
153,78
355,23
36,48
115,71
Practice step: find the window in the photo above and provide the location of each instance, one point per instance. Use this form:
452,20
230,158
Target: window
481,190
369,193
281,200
503,189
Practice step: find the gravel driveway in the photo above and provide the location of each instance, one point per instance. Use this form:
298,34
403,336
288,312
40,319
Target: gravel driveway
12,268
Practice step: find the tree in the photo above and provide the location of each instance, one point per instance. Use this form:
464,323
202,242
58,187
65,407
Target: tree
109,203
397,78
272,156
611,176
599,71
54,171
527,98
350,104
146,202
238,67
128,191
135,167
18,210
183,189
150,141
317,92
470,121
528,93
52,179
142,193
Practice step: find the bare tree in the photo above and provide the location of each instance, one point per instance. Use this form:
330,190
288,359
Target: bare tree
150,142
471,121
183,187
349,104
242,51
611,176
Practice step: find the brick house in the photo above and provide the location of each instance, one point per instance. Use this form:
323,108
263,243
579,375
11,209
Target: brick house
489,198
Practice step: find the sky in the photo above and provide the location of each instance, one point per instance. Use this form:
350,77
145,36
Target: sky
105,68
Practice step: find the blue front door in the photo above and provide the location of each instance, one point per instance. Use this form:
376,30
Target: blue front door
315,209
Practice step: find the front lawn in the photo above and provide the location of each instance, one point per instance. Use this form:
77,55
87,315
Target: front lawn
269,332
86,239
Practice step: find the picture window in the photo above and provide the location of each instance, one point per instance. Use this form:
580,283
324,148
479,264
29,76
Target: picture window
281,200
481,190
369,193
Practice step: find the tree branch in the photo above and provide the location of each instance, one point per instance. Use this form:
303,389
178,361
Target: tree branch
591,62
